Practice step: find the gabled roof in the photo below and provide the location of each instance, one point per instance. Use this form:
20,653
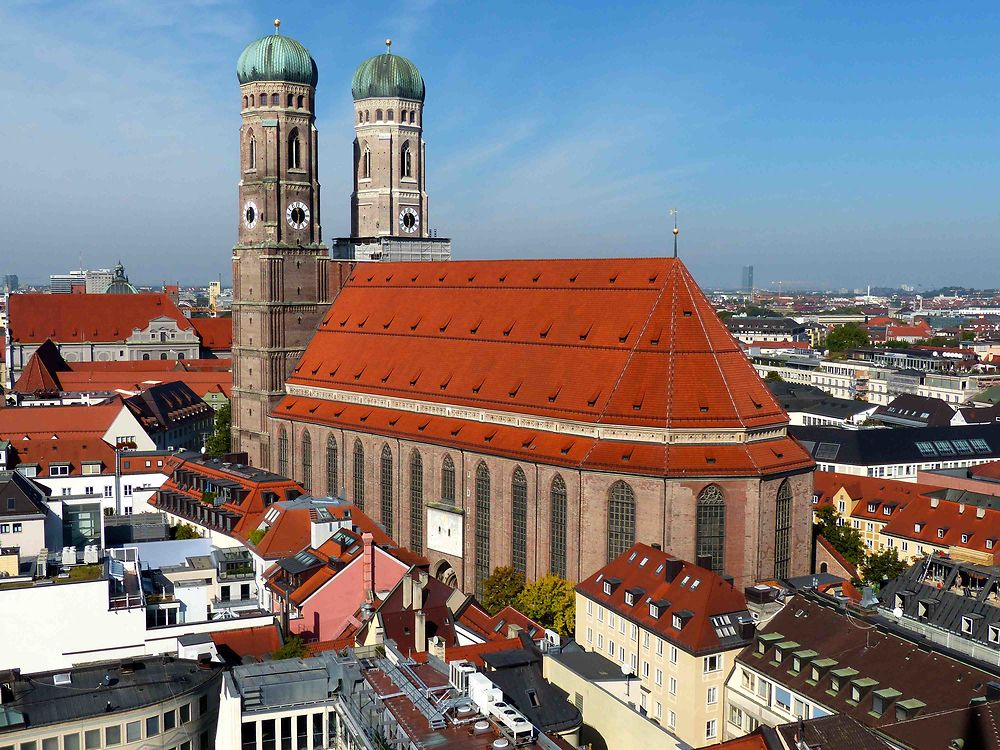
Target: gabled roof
40,374
46,421
832,445
67,318
909,410
254,643
164,406
943,523
216,334
607,341
711,608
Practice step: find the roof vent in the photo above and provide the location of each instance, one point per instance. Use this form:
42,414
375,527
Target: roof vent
63,678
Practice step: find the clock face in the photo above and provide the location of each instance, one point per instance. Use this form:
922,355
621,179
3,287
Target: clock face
409,220
297,215
250,214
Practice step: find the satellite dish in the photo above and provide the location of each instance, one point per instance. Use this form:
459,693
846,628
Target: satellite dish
898,613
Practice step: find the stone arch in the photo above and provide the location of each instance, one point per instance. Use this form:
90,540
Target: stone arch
444,572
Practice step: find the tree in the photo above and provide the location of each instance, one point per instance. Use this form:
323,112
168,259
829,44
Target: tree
184,531
502,588
294,648
845,337
773,377
218,443
550,601
256,536
846,540
880,567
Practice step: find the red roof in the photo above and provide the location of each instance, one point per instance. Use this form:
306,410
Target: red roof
865,490
732,459
943,523
693,592
474,652
74,451
86,317
609,341
216,333
919,331
256,642
846,564
46,421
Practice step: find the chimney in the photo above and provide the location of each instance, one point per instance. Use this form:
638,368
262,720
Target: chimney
369,563
419,631
980,512
934,502
418,590
407,585
513,630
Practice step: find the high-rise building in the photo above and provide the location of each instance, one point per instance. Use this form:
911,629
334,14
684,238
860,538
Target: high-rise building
279,262
10,283
747,285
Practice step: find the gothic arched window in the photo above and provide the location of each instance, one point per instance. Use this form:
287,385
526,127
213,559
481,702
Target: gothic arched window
378,115
385,480
300,101
621,519
252,100
274,100
289,100
307,462
331,466
482,568
412,113
244,102
389,115
368,117
416,503
366,164
519,507
782,530
557,527
361,116
251,151
448,481
710,526
359,474
283,452
405,161
293,150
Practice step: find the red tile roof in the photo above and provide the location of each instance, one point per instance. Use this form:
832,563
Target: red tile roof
74,451
256,642
734,459
474,652
609,341
46,421
949,518
865,490
216,333
665,578
86,317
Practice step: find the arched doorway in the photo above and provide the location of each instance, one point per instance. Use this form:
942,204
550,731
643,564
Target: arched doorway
443,571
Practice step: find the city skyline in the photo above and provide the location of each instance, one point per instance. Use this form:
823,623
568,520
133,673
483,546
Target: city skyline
791,139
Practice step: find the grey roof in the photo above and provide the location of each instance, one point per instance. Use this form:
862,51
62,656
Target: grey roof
911,410
542,703
590,665
195,639
915,445
831,733
40,701
808,398
290,681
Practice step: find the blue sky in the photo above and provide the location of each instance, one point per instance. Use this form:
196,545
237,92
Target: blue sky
829,144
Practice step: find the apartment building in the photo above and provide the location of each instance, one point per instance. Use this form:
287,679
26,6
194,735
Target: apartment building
674,625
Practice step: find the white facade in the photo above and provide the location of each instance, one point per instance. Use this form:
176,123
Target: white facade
753,699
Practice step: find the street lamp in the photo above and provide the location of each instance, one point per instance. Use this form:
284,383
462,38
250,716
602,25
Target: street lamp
628,677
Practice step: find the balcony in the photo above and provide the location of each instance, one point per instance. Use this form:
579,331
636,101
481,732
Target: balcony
251,603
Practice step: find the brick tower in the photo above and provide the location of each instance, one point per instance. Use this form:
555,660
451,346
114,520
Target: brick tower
280,287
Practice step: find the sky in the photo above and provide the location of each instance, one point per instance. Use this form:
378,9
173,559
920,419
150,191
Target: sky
827,144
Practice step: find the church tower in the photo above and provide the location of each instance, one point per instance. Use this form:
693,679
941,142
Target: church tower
280,286
390,192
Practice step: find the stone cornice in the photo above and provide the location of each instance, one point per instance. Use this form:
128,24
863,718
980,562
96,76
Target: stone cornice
631,433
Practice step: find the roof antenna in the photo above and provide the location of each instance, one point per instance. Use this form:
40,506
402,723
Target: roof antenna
673,212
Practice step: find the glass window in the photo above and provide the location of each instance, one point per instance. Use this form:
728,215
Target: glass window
307,462
519,508
332,487
386,488
782,530
133,731
50,743
113,735
71,742
203,705
283,452
169,720
558,527
448,481
711,526
152,726
29,745
416,503
359,475
482,568
621,519
92,739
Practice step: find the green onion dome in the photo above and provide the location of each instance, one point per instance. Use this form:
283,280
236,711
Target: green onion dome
276,58
387,76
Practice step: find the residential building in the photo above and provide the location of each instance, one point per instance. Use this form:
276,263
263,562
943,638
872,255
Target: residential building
24,523
899,454
135,703
837,732
674,625
809,405
99,327
369,699
173,415
814,660
909,410
750,329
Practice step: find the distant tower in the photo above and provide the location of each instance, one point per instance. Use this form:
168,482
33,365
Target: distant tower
279,262
747,287
390,193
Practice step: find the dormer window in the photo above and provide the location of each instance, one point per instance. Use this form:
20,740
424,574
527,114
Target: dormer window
966,625
677,622
835,684
965,538
995,634
887,510
940,533
761,647
629,599
872,507
855,693
654,610
607,588
814,674
796,664
989,544
918,527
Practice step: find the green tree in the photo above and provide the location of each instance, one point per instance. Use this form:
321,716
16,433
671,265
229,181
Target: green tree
550,601
845,337
968,335
846,540
773,377
256,535
880,567
218,443
294,648
184,531
502,588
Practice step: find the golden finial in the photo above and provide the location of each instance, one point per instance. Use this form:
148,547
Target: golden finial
673,212
277,25
388,45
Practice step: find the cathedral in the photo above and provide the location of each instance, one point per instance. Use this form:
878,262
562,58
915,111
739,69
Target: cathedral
543,414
